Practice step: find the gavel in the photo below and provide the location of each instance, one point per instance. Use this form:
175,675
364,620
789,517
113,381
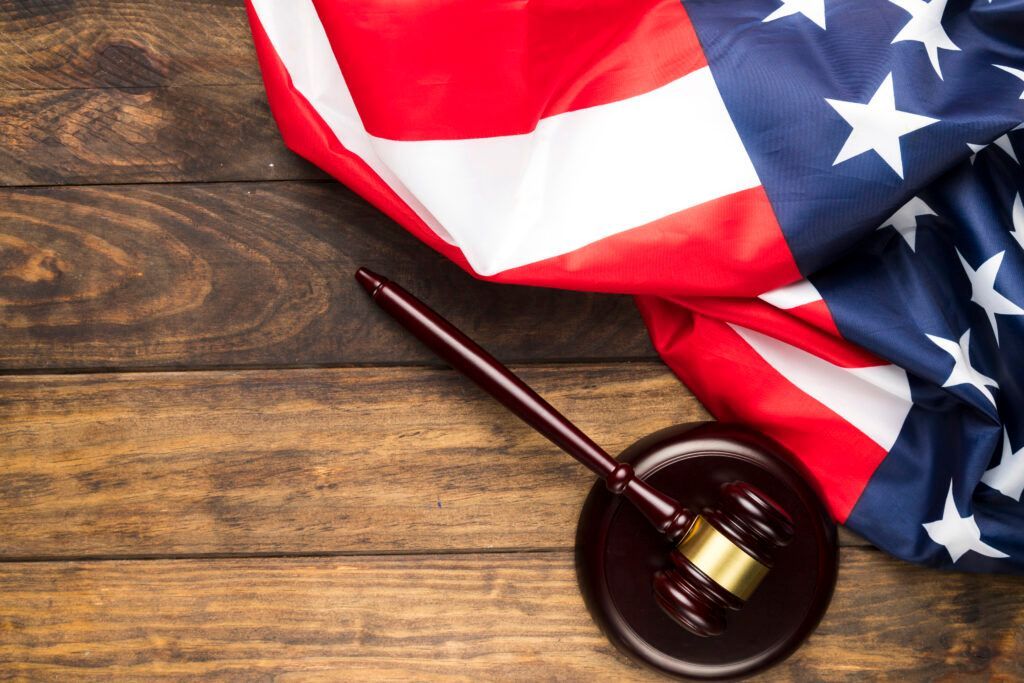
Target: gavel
718,556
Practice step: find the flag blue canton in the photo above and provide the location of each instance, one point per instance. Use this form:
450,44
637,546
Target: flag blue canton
887,136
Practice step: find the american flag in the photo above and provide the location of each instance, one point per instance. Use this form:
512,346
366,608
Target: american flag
817,204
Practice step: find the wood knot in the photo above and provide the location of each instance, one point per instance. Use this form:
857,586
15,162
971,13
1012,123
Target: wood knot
26,262
126,65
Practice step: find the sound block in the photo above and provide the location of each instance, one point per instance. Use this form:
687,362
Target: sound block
618,553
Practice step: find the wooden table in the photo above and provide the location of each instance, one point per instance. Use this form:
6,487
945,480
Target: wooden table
217,460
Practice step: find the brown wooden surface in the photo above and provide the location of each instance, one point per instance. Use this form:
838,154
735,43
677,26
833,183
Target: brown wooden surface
192,385
242,274
304,461
119,91
159,134
464,617
80,44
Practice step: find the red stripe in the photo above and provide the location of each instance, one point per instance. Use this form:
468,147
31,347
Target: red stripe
808,327
737,385
474,68
817,314
730,246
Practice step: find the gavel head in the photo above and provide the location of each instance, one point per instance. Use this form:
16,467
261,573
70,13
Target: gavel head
722,558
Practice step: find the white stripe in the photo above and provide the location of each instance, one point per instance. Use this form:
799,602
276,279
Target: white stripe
799,293
579,176
875,400
512,200
299,39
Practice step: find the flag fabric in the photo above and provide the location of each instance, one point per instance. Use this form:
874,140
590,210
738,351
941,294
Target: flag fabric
817,205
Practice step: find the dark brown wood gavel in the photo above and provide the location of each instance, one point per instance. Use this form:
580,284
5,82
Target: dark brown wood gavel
718,557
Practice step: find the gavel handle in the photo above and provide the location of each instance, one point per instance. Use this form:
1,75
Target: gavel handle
466,356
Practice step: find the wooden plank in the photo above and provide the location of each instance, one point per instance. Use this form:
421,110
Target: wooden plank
253,274
475,617
130,91
305,461
59,44
134,91
200,133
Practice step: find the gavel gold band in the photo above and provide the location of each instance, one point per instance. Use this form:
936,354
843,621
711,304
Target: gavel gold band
721,560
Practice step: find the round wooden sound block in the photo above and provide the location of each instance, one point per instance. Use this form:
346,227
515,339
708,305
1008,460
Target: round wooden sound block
618,553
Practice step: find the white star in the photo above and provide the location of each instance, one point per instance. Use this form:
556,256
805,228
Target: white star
1002,142
878,126
983,290
1008,476
963,372
812,9
974,150
905,220
1018,221
1010,70
959,534
925,26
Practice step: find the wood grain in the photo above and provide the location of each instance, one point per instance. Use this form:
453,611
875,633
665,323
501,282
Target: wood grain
229,275
117,135
304,461
473,617
134,91
62,44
